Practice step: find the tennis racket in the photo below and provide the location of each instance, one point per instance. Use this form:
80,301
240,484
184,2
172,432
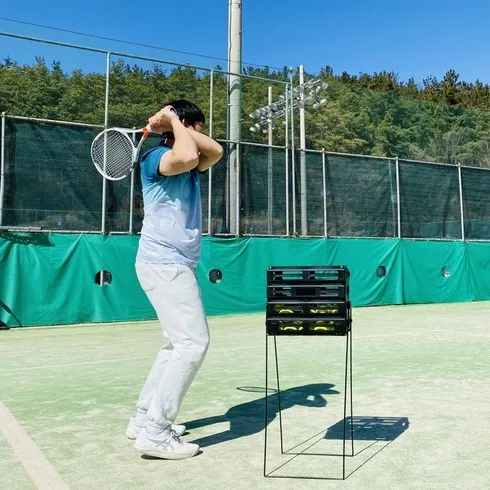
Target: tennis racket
114,153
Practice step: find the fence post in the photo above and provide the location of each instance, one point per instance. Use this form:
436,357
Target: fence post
106,122
398,206
293,167
302,148
286,156
324,170
461,207
2,168
210,174
237,188
269,166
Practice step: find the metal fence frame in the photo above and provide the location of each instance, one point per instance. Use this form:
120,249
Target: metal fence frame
290,195
234,167
289,155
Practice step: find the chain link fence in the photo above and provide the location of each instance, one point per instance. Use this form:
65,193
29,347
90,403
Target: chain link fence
49,183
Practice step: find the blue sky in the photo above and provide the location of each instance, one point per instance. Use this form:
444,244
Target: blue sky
414,39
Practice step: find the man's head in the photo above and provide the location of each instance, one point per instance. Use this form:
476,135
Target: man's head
189,114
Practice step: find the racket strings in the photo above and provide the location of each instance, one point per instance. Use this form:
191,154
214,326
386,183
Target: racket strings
112,153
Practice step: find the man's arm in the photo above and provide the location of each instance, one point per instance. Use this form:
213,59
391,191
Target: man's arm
184,154
210,151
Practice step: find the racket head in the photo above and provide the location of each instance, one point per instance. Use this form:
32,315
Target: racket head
113,154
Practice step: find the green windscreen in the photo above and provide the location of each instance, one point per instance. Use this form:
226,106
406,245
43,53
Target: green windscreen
263,195
50,279
430,201
50,183
476,203
50,180
361,196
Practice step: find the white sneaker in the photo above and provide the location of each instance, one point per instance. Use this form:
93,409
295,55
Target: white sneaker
134,429
166,445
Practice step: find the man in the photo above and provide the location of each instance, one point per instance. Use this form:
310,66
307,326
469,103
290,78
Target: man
168,253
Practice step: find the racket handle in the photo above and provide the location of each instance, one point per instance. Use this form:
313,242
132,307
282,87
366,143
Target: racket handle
148,129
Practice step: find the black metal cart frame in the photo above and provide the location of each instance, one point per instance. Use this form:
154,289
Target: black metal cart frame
312,300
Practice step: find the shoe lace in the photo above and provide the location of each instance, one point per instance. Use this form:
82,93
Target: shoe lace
173,435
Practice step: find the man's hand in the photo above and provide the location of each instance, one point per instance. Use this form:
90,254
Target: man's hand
162,120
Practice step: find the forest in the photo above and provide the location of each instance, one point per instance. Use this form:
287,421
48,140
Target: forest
444,120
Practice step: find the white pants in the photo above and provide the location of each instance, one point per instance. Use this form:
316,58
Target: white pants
176,297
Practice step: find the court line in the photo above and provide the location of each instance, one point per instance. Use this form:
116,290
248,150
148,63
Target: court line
103,361
417,334
40,470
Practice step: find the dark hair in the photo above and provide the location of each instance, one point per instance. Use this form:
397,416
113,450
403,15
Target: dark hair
187,111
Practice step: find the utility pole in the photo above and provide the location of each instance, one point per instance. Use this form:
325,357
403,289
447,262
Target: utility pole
302,148
234,111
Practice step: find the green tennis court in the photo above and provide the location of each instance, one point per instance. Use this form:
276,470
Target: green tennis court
420,384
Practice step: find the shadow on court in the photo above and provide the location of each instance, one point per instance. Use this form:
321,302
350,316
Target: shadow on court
374,434
248,418
366,428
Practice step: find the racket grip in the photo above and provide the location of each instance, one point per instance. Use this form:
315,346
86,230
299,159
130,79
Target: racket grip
148,129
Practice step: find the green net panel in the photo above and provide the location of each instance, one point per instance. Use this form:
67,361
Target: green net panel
50,180
216,223
361,196
429,197
263,190
476,203
315,222
51,183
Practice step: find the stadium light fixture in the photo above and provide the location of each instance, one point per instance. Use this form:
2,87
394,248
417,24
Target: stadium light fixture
307,94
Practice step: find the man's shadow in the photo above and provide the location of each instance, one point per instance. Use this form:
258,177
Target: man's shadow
249,418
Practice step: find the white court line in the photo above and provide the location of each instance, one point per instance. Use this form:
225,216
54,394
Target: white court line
36,465
103,361
423,333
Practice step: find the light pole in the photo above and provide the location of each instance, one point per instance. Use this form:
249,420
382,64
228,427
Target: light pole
307,93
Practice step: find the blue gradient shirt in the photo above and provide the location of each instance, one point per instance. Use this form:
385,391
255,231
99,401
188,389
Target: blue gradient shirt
171,232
